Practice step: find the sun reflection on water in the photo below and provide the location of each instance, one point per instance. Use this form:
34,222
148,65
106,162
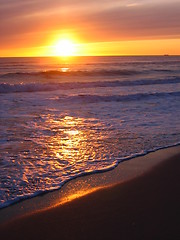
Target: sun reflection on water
64,69
65,147
69,144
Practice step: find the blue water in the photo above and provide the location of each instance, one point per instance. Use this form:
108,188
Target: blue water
61,118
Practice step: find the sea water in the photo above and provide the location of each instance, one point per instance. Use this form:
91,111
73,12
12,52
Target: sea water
62,118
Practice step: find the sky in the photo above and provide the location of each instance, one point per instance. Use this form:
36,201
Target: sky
97,27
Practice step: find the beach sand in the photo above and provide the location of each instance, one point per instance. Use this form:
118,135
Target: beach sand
144,204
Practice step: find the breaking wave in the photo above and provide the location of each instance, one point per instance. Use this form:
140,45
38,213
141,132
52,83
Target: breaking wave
39,87
116,98
66,72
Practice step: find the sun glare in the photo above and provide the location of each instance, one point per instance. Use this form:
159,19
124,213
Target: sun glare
64,47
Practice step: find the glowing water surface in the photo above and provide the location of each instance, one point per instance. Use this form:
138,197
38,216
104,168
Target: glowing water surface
59,121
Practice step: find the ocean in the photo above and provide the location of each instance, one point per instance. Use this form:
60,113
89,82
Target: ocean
61,118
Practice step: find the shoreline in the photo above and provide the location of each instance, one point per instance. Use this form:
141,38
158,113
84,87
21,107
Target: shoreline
84,185
145,206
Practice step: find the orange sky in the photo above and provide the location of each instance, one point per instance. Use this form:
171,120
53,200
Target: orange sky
103,27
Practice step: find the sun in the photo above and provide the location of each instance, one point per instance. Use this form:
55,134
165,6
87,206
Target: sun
64,48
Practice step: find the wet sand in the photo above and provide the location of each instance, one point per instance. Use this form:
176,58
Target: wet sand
145,206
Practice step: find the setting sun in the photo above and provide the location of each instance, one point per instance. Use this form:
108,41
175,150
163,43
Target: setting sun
64,47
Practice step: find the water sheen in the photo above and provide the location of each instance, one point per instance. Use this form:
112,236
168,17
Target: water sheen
61,118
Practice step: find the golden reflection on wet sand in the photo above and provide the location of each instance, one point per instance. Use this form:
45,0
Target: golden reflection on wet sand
76,195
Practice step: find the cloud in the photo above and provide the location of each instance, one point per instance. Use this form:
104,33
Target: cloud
92,20
142,21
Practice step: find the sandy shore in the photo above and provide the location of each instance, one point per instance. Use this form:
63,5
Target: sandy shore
141,206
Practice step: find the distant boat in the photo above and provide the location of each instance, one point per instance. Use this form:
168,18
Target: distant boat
166,55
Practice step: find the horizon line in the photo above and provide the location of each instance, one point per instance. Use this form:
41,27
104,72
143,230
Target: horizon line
118,55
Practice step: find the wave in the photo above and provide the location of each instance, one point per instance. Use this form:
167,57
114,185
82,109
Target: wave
39,87
83,98
66,72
